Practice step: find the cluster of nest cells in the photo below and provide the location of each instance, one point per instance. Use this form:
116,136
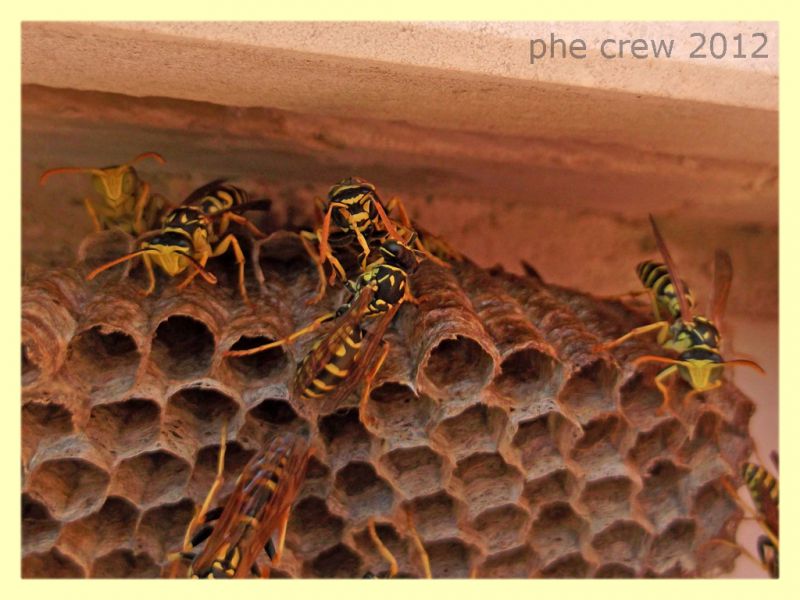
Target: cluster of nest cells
518,450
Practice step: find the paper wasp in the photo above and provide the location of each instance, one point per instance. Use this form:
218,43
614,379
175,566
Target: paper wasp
695,338
126,202
354,215
763,489
194,232
389,557
337,361
235,534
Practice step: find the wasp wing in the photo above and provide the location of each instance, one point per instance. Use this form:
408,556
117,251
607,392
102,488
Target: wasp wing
677,282
203,191
269,508
363,360
723,275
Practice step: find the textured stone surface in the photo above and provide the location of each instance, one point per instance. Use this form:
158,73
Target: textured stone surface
518,450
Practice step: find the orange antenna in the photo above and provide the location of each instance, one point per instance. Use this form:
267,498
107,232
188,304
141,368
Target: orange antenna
741,362
115,262
49,172
154,155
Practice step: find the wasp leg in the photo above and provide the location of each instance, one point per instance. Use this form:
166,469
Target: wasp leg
148,266
362,406
361,240
200,515
397,204
190,277
231,241
382,549
746,509
93,214
659,381
423,555
659,325
276,559
141,204
305,237
693,392
388,223
315,324
247,224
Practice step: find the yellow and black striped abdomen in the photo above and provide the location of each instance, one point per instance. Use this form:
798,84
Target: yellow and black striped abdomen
655,277
329,362
760,484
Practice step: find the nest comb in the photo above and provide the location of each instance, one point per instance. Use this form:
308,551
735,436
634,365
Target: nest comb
519,451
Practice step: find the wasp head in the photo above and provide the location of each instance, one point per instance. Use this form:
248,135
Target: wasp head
171,251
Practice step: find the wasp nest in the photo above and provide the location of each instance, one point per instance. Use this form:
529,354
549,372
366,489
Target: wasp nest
517,449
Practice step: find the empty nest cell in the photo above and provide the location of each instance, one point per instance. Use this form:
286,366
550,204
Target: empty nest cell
52,564
716,512
572,566
270,417
361,491
151,478
183,347
345,438
42,422
589,392
414,471
486,480
624,542
109,528
512,564
538,442
607,500
662,495
526,375
436,516
161,529
126,427
68,487
338,562
557,532
125,564
596,451
556,485
398,414
312,527
502,527
106,358
671,551
196,414
449,559
39,528
478,428
459,366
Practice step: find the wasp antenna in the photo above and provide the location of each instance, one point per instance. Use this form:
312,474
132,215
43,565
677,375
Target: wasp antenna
154,155
741,362
46,175
656,359
114,262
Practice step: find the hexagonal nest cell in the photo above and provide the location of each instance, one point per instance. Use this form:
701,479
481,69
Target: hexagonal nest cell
510,446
